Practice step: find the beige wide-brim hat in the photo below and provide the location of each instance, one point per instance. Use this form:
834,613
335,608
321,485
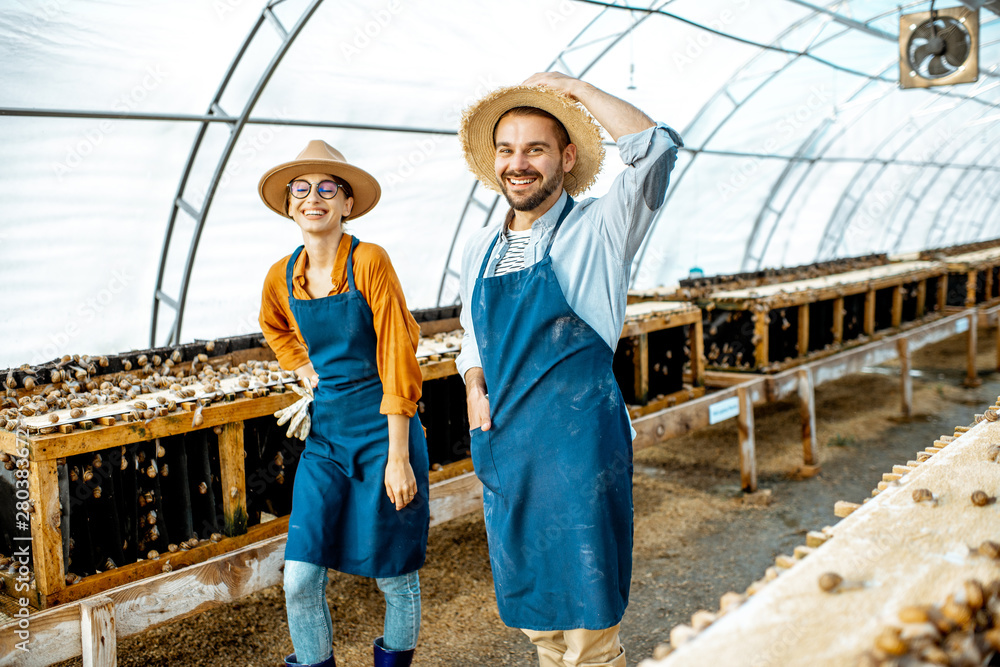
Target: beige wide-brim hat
319,157
480,120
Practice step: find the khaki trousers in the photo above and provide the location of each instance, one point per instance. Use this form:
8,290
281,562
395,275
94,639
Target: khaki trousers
578,648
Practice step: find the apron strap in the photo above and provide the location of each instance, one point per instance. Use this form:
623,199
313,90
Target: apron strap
290,269
350,263
562,216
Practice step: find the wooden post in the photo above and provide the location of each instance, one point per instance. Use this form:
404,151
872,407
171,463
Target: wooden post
97,632
988,287
998,340
838,320
803,345
46,535
906,382
921,298
942,295
897,306
869,312
640,363
807,411
696,343
234,489
760,351
970,289
971,376
748,456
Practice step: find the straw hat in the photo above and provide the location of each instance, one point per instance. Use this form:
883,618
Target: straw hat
480,120
320,157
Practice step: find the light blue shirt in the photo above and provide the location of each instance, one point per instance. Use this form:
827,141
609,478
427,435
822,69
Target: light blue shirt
593,251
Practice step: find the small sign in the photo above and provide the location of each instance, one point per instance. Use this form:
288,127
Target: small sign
723,410
962,325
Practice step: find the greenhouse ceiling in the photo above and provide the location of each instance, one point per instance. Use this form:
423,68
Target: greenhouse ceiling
149,125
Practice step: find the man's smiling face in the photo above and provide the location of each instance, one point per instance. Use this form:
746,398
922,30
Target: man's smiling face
528,161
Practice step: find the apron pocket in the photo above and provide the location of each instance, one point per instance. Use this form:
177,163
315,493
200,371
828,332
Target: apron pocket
482,460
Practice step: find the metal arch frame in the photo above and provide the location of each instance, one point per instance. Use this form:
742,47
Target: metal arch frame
960,199
748,256
836,226
724,90
845,221
982,200
236,126
472,201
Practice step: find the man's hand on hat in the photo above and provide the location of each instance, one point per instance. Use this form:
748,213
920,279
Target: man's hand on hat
557,81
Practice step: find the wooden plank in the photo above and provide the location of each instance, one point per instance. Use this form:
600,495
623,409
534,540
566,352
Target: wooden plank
455,497
55,446
906,382
760,351
942,295
988,287
807,413
668,401
46,535
838,320
748,455
126,574
725,379
897,306
98,637
450,470
696,343
234,484
634,327
640,365
438,369
971,375
869,323
803,343
439,326
152,602
921,298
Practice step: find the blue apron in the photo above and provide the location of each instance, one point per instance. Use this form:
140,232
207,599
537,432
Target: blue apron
341,516
556,465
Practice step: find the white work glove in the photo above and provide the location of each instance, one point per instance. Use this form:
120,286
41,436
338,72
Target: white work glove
297,414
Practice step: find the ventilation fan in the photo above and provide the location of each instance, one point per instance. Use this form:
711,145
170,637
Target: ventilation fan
938,48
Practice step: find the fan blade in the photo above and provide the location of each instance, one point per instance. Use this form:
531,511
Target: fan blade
922,53
956,48
936,67
923,31
956,57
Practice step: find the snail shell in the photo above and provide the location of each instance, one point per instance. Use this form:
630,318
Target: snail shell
990,415
176,356
828,581
202,488
152,554
77,412
157,360
29,383
53,418
993,453
210,346
980,498
890,642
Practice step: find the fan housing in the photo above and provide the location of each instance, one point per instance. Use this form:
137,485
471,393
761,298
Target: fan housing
938,48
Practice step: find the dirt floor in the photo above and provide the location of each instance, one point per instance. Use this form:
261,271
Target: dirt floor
695,537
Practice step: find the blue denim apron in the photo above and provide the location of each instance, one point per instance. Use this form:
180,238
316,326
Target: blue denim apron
341,516
556,465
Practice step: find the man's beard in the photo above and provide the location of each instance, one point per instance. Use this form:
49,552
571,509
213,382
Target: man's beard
533,201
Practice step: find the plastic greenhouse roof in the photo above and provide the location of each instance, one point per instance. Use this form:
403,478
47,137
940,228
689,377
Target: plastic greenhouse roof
800,145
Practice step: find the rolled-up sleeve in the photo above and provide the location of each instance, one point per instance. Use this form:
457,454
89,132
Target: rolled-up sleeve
396,332
637,194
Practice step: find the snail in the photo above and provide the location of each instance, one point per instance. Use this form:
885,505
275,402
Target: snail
210,346
980,498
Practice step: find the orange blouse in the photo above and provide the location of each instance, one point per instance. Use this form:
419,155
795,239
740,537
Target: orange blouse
396,332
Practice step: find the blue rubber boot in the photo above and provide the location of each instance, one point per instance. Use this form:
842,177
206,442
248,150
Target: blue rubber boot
290,661
386,658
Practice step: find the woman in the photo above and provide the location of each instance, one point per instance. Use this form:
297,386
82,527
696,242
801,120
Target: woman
334,311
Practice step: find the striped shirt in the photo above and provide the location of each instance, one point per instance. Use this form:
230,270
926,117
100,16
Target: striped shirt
513,259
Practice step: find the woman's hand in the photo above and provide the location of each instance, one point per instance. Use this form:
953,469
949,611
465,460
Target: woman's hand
400,483
307,374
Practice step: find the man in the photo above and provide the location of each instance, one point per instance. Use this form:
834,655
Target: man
544,304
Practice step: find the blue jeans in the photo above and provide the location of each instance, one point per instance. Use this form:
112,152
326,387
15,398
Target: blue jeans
309,620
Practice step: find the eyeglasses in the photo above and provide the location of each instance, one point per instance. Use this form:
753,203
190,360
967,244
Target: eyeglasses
325,189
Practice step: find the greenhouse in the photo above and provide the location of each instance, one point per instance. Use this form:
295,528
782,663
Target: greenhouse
809,296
